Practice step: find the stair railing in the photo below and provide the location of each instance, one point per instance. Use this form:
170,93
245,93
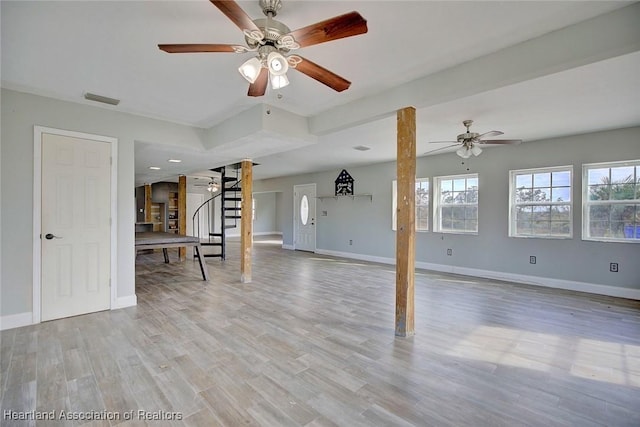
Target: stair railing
206,209
200,211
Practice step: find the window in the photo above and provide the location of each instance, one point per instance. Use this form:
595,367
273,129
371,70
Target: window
253,209
611,201
540,202
422,204
456,204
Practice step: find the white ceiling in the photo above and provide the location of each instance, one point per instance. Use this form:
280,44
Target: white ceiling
110,48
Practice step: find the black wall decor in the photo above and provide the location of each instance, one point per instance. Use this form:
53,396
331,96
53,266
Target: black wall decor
344,184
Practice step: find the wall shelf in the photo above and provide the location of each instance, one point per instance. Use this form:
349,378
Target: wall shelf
347,196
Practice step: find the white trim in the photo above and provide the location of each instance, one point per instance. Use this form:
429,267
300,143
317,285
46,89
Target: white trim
289,247
268,233
37,211
123,302
114,222
547,282
586,202
361,257
513,205
15,320
437,203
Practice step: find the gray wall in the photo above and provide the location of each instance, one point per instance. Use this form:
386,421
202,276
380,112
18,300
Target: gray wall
365,222
368,223
280,213
20,112
266,213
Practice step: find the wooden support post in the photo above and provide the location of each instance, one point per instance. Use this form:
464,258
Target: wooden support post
246,221
147,203
182,213
406,217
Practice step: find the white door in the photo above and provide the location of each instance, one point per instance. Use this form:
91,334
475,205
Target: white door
200,228
304,216
76,237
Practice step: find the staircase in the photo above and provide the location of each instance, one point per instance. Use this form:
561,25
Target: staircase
229,199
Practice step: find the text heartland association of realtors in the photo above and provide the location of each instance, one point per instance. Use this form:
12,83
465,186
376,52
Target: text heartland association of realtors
9,414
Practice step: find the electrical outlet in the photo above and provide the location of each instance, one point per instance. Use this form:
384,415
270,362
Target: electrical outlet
532,259
449,252
613,267
350,242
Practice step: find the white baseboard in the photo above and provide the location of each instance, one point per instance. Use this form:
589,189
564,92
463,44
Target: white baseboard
128,301
16,320
25,319
288,247
361,257
547,282
268,233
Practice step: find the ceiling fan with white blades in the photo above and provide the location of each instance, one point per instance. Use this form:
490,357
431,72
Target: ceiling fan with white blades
271,41
212,185
469,141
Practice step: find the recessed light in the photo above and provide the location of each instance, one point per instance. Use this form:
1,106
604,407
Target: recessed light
362,148
154,168
174,160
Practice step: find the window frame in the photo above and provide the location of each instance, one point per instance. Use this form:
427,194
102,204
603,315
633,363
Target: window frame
437,205
513,205
394,204
587,202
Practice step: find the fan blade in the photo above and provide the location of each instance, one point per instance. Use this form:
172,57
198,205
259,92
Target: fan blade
193,48
347,25
235,13
441,148
322,75
260,86
499,141
490,133
443,142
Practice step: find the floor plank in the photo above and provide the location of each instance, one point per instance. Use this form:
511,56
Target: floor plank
310,342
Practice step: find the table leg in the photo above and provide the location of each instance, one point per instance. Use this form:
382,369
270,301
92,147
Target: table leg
203,266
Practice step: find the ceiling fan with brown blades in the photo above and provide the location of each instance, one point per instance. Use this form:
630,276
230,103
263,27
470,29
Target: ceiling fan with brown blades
469,141
272,41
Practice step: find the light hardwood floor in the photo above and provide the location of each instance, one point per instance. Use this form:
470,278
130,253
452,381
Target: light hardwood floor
310,342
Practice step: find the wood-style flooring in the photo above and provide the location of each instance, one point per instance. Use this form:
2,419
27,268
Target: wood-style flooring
310,342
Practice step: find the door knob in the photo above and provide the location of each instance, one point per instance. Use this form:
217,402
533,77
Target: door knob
50,236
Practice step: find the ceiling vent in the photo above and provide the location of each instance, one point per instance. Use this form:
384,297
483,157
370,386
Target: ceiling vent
100,98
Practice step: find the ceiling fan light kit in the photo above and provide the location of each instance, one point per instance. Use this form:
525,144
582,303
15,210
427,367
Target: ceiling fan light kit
271,40
475,150
278,82
213,186
277,64
250,70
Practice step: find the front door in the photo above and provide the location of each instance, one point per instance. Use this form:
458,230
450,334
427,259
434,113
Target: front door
304,217
76,237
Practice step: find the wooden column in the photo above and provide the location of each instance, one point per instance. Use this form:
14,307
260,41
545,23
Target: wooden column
246,221
147,203
406,217
182,213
